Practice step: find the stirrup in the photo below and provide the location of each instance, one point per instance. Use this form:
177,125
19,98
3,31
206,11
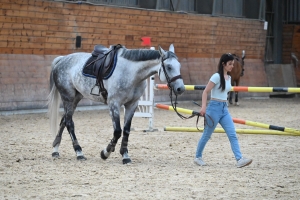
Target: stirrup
94,88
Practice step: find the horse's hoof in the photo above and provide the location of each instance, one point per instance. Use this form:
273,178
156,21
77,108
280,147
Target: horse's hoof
126,161
102,154
126,158
55,155
81,158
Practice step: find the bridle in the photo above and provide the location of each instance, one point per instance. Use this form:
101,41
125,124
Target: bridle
174,104
169,81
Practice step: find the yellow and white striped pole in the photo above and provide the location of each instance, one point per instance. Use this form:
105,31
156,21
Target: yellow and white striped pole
235,120
239,88
220,130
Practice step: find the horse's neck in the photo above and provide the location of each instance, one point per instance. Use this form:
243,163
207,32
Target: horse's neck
150,68
145,69
142,63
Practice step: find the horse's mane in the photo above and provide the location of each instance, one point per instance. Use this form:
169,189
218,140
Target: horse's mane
140,54
143,54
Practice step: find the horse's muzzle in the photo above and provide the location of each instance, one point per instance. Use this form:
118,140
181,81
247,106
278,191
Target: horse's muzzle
178,87
177,84
179,90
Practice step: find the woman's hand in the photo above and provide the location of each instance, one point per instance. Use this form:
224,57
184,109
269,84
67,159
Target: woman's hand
202,111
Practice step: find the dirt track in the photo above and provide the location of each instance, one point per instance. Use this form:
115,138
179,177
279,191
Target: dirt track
162,166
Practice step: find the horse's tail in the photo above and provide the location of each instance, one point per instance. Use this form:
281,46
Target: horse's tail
53,101
53,64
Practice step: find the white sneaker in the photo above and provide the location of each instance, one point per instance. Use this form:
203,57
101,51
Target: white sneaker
199,161
243,162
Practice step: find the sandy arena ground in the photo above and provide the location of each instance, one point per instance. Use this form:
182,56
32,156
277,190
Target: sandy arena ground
162,162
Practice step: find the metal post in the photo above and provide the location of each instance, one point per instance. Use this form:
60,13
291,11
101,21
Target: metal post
278,27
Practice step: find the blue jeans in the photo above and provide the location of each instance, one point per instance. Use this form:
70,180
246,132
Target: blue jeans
218,112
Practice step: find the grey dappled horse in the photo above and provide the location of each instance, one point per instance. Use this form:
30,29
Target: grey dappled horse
125,86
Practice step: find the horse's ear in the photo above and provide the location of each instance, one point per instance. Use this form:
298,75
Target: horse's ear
161,51
171,48
243,55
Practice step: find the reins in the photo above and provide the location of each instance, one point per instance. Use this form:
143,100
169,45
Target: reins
205,118
174,104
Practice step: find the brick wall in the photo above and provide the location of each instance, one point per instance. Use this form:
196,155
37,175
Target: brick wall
24,81
33,32
291,44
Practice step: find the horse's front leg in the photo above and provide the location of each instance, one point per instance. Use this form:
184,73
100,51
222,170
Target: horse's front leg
237,98
129,112
114,111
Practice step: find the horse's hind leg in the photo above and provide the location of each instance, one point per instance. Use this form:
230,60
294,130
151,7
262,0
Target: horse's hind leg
230,97
57,140
237,94
67,121
115,115
69,111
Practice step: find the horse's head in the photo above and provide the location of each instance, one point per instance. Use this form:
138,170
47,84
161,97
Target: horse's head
240,62
170,67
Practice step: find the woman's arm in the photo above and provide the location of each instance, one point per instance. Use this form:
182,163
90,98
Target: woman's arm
205,93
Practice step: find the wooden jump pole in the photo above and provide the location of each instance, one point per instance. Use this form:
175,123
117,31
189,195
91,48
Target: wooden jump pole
220,130
239,88
235,120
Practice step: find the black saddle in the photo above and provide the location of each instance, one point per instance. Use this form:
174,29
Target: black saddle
99,49
101,65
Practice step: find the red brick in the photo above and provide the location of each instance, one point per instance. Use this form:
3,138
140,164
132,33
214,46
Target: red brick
48,28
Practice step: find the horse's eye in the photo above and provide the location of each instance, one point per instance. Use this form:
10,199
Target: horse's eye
169,67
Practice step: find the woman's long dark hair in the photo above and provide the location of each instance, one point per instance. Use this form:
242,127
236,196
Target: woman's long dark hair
223,61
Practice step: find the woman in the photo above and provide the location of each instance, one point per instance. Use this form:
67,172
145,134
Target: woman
217,112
